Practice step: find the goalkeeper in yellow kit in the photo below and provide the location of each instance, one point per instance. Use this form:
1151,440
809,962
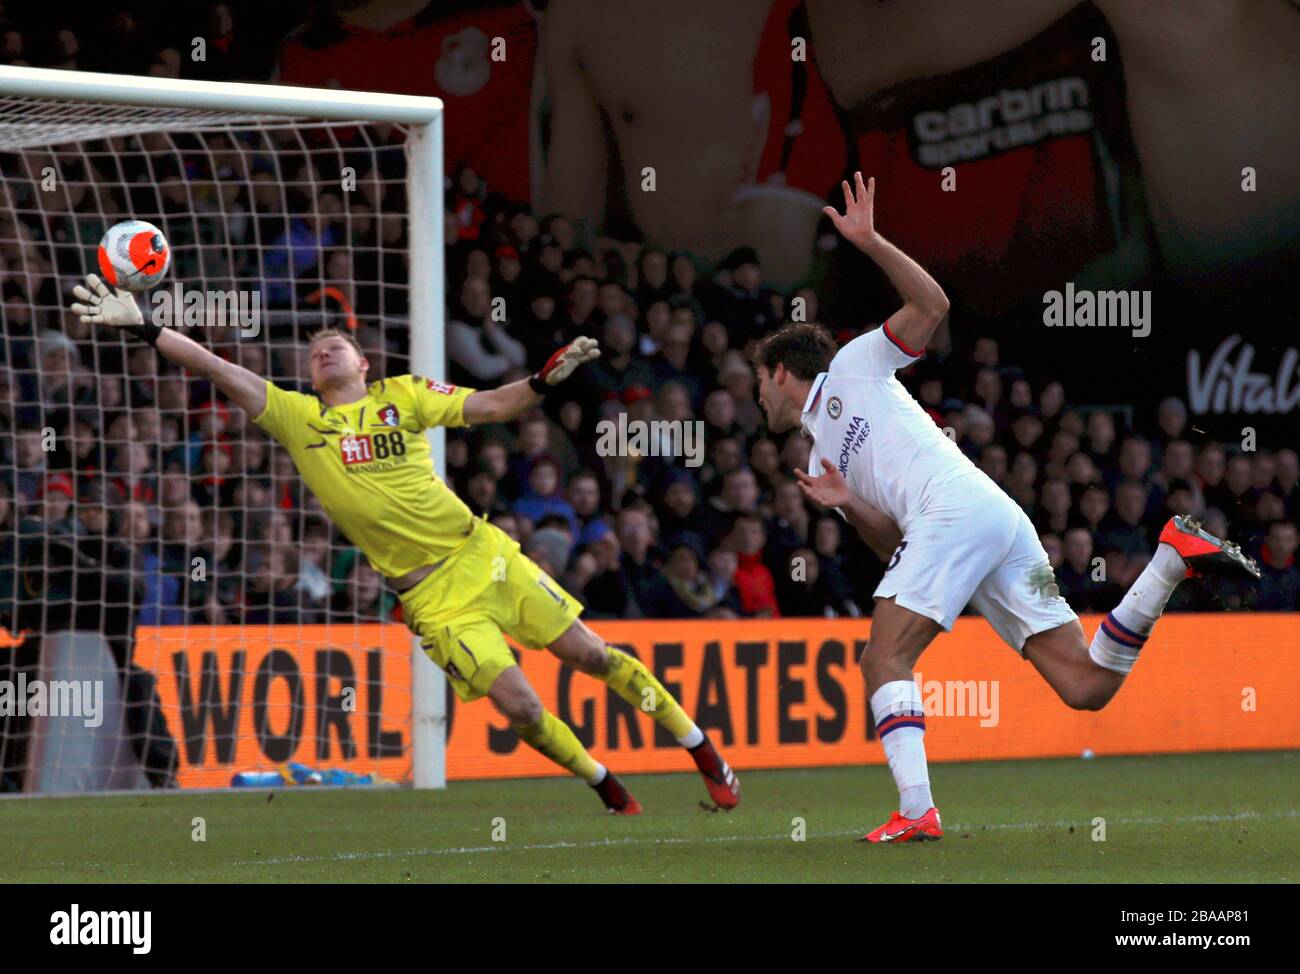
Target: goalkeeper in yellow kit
463,582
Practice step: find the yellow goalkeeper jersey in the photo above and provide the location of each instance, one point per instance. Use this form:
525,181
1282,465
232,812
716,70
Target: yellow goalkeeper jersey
370,466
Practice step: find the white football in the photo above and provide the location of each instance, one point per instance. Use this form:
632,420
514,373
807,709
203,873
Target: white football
134,255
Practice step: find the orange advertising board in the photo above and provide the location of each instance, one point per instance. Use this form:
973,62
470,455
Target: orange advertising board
773,693
243,698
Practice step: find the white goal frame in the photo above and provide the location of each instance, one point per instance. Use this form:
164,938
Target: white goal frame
422,117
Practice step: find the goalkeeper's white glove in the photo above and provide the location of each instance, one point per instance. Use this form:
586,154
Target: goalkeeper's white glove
564,363
97,305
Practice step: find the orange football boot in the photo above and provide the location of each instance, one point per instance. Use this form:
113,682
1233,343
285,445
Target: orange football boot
1202,552
927,828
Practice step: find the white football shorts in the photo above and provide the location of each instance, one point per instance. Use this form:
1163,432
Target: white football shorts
972,545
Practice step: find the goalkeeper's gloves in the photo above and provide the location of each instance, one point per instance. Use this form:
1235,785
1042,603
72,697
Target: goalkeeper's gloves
563,363
97,305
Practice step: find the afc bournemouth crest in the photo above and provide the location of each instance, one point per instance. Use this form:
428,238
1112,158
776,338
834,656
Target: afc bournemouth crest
388,416
834,407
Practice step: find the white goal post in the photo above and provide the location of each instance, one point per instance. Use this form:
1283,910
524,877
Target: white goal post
41,108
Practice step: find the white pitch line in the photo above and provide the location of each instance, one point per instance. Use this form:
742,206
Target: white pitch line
707,839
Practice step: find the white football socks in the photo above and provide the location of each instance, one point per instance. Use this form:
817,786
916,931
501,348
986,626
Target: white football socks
900,725
694,738
1122,634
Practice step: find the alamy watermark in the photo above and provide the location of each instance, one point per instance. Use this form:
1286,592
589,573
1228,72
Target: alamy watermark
75,927
218,309
960,698
1098,309
651,438
53,698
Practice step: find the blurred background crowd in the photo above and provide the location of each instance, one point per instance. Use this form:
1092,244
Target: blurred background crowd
155,502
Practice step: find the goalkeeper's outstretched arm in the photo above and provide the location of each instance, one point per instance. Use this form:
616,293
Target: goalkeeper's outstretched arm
99,305
511,401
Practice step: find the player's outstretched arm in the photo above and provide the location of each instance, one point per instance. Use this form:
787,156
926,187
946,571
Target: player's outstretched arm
97,304
511,401
880,531
924,303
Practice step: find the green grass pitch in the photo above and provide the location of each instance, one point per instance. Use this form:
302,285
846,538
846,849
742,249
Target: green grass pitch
1205,818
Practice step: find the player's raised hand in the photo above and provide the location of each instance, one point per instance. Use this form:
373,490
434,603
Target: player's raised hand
97,304
565,362
829,490
857,225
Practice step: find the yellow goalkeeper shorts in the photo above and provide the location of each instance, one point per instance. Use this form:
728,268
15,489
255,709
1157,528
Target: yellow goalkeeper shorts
487,588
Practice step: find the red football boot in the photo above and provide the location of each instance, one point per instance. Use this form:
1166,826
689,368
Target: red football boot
927,828
1202,552
618,800
723,785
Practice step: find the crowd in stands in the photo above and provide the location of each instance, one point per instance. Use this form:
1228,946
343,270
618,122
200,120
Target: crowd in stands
149,472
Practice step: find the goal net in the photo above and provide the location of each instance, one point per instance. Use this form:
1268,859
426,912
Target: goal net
175,609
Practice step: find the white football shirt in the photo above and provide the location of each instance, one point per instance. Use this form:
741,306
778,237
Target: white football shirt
885,445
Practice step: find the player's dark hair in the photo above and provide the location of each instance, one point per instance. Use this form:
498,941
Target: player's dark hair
805,349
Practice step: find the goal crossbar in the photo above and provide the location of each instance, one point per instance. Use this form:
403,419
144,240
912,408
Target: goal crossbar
221,96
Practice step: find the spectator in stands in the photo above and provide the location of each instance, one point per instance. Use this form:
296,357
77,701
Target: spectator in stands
543,496
671,364
637,564
739,495
1287,482
361,596
1027,431
1211,466
722,575
791,524
584,498
1094,505
979,429
1178,464
753,579
480,492
1054,507
993,461
595,578
683,589
1237,499
680,508
1125,530
743,303
619,370
550,547
314,565
1082,583
1171,418
1279,585
652,277
812,593
480,348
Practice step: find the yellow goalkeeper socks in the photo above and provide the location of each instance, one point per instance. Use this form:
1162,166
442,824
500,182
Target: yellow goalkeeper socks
554,739
629,678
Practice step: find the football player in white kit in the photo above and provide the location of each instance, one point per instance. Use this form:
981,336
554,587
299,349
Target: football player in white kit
951,537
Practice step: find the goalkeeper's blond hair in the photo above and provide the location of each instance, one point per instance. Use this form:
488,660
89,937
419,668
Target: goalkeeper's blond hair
347,336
